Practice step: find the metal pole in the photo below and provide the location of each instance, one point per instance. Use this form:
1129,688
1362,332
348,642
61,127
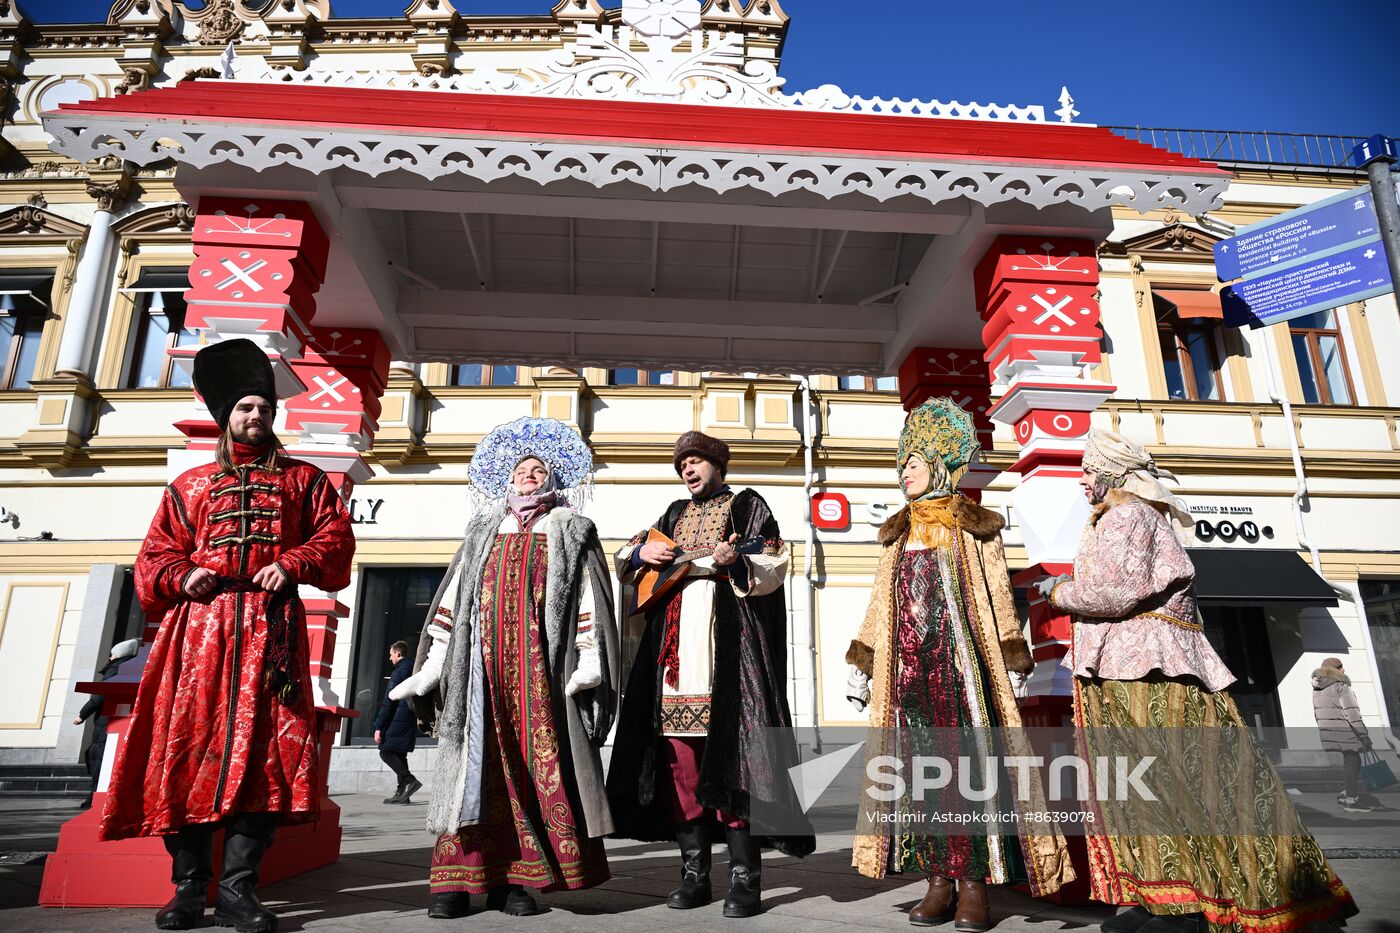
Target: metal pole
1387,212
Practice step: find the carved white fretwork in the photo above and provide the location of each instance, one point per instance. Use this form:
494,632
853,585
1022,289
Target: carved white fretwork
146,140
681,63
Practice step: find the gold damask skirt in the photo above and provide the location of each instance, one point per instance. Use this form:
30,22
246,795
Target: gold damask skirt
1224,840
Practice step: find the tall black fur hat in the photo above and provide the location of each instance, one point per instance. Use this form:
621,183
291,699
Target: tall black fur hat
693,443
226,371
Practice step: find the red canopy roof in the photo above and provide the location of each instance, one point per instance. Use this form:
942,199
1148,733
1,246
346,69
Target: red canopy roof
643,124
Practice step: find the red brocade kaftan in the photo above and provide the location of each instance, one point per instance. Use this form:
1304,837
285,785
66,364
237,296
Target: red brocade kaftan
210,736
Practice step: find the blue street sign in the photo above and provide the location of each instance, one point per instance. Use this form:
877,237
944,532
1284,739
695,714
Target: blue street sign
1297,236
1377,147
1337,278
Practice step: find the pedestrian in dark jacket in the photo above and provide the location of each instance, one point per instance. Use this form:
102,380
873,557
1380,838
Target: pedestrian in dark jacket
1340,727
97,746
396,729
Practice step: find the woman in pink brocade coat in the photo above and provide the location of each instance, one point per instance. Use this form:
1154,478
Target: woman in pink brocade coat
1219,848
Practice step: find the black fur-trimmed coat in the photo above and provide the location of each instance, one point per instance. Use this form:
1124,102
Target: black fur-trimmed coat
744,769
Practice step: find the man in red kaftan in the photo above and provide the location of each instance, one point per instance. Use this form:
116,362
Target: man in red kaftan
224,731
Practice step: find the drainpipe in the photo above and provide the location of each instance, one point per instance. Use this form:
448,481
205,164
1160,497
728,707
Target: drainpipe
1347,591
1300,495
809,430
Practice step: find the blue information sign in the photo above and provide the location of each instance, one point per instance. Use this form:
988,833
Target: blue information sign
1337,278
1264,248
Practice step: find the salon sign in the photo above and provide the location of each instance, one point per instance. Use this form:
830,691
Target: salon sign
1239,523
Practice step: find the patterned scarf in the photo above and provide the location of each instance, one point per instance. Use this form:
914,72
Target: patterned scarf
931,520
530,508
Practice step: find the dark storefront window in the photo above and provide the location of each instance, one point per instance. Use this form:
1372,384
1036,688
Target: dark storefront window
393,604
1382,601
130,621
1239,634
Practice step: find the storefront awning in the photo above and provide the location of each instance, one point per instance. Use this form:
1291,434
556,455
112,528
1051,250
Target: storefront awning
153,281
1258,577
1193,303
17,289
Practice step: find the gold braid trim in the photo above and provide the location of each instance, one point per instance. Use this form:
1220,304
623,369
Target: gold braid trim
236,513
244,539
1179,623
243,487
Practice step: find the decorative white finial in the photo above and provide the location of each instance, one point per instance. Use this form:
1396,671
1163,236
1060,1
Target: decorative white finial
226,61
668,19
1066,113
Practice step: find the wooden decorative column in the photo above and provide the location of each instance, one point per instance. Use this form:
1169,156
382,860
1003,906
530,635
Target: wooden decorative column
1037,296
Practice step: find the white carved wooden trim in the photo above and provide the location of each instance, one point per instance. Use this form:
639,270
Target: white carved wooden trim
85,136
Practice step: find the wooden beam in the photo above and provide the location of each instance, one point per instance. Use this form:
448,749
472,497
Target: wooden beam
939,219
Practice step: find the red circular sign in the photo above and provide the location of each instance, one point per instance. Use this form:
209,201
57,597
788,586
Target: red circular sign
831,511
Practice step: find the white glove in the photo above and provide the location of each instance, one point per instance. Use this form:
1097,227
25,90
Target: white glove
586,675
424,682
1048,584
1019,683
857,687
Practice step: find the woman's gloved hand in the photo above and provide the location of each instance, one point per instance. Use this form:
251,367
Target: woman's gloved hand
586,676
857,687
1047,585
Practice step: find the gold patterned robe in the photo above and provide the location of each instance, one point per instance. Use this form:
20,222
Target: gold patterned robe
975,535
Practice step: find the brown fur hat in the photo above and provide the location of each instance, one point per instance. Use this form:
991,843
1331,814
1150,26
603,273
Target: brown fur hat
695,444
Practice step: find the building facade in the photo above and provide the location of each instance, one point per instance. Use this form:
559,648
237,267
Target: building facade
1301,552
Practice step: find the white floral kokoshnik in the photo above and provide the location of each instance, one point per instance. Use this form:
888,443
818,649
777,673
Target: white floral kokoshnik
559,446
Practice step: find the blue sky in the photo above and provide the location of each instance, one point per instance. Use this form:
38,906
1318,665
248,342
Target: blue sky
1301,66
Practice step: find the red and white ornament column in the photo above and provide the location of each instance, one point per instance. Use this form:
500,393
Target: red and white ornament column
1038,297
258,265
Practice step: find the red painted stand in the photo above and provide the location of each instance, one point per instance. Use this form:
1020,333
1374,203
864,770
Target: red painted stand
86,872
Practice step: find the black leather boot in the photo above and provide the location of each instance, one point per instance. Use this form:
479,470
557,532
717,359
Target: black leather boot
511,900
694,890
450,905
745,882
191,868
246,839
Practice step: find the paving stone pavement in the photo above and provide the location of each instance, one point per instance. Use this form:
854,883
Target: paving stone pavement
379,884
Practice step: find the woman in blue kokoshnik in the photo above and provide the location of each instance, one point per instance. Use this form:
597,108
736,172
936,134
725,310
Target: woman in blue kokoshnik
517,665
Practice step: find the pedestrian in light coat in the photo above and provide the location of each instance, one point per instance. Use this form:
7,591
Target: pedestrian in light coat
1340,727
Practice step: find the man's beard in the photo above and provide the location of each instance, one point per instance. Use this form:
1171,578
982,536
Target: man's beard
243,437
